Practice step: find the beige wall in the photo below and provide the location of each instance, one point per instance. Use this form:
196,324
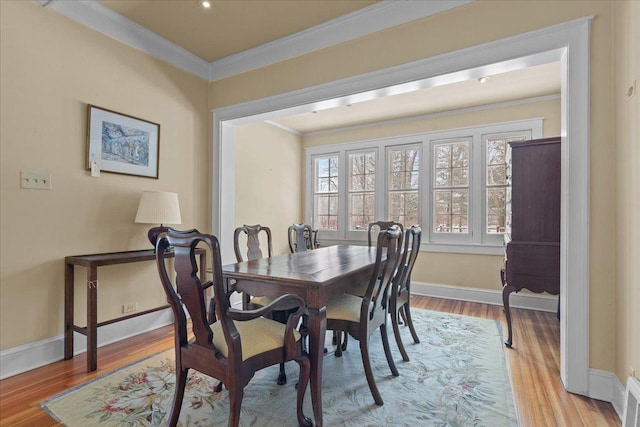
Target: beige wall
627,140
51,67
469,25
268,180
474,271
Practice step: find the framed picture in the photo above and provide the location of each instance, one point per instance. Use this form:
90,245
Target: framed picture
119,143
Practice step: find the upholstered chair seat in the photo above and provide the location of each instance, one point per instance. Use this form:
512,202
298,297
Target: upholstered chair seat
257,335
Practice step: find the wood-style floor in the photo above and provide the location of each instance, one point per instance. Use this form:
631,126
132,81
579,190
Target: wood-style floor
533,364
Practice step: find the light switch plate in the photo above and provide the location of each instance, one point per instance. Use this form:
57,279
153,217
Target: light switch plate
35,180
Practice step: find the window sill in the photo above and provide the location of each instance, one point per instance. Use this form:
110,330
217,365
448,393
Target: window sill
454,248
463,248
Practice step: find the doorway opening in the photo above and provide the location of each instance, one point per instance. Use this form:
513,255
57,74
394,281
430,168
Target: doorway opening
538,47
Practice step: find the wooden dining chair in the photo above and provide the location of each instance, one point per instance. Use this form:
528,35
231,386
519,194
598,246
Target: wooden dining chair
361,316
400,301
302,238
238,342
359,288
254,251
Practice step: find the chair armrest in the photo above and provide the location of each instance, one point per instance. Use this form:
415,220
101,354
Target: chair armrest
283,302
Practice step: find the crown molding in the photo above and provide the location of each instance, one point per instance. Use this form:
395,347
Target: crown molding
99,18
374,18
377,17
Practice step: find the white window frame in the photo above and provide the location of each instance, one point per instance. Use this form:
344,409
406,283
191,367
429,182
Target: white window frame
328,234
418,144
477,241
361,234
429,215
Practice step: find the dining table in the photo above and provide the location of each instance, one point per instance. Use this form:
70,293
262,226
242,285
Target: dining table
317,276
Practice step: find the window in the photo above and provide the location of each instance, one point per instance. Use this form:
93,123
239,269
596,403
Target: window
497,157
451,187
362,186
326,193
403,185
453,183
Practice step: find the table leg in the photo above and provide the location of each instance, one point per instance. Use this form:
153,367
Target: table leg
68,310
317,323
92,319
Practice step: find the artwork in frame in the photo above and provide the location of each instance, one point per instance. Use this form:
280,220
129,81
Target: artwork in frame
120,143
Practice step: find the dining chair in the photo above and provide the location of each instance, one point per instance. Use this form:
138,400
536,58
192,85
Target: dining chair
359,288
302,238
361,316
400,301
237,343
253,234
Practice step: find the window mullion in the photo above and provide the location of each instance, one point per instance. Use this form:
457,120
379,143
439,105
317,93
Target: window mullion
477,200
382,209
342,193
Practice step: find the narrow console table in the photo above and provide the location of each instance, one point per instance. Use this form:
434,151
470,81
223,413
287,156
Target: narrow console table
91,263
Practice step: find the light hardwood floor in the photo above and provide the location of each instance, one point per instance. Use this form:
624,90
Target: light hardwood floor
533,365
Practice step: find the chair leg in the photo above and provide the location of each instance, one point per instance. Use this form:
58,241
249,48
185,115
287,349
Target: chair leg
407,312
396,332
338,352
282,376
303,380
235,403
364,351
387,350
344,343
403,315
181,382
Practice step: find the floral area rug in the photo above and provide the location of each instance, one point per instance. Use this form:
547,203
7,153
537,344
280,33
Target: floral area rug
456,377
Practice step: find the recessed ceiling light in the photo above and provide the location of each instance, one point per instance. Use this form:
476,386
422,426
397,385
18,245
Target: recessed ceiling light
206,4
483,79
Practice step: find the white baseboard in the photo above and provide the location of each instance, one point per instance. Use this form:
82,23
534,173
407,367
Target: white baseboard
606,386
26,357
540,302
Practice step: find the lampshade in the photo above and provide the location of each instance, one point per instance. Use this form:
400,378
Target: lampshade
158,207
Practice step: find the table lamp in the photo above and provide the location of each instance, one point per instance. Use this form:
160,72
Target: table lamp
158,207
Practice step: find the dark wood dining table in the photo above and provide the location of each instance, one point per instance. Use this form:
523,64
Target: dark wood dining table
317,276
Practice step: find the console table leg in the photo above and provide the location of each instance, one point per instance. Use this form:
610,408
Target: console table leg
92,319
68,310
506,291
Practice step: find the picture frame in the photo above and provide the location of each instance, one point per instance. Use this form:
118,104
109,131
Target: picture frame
123,144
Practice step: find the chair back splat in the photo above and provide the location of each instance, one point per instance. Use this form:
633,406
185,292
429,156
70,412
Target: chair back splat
232,345
302,238
253,241
376,227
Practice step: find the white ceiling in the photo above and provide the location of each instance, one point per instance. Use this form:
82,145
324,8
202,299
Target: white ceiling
242,33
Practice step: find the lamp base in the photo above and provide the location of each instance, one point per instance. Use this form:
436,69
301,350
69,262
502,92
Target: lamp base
154,233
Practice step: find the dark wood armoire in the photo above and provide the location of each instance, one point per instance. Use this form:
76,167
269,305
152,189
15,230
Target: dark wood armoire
532,255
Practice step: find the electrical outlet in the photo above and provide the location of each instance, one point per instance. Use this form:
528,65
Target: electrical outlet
130,307
35,180
632,371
